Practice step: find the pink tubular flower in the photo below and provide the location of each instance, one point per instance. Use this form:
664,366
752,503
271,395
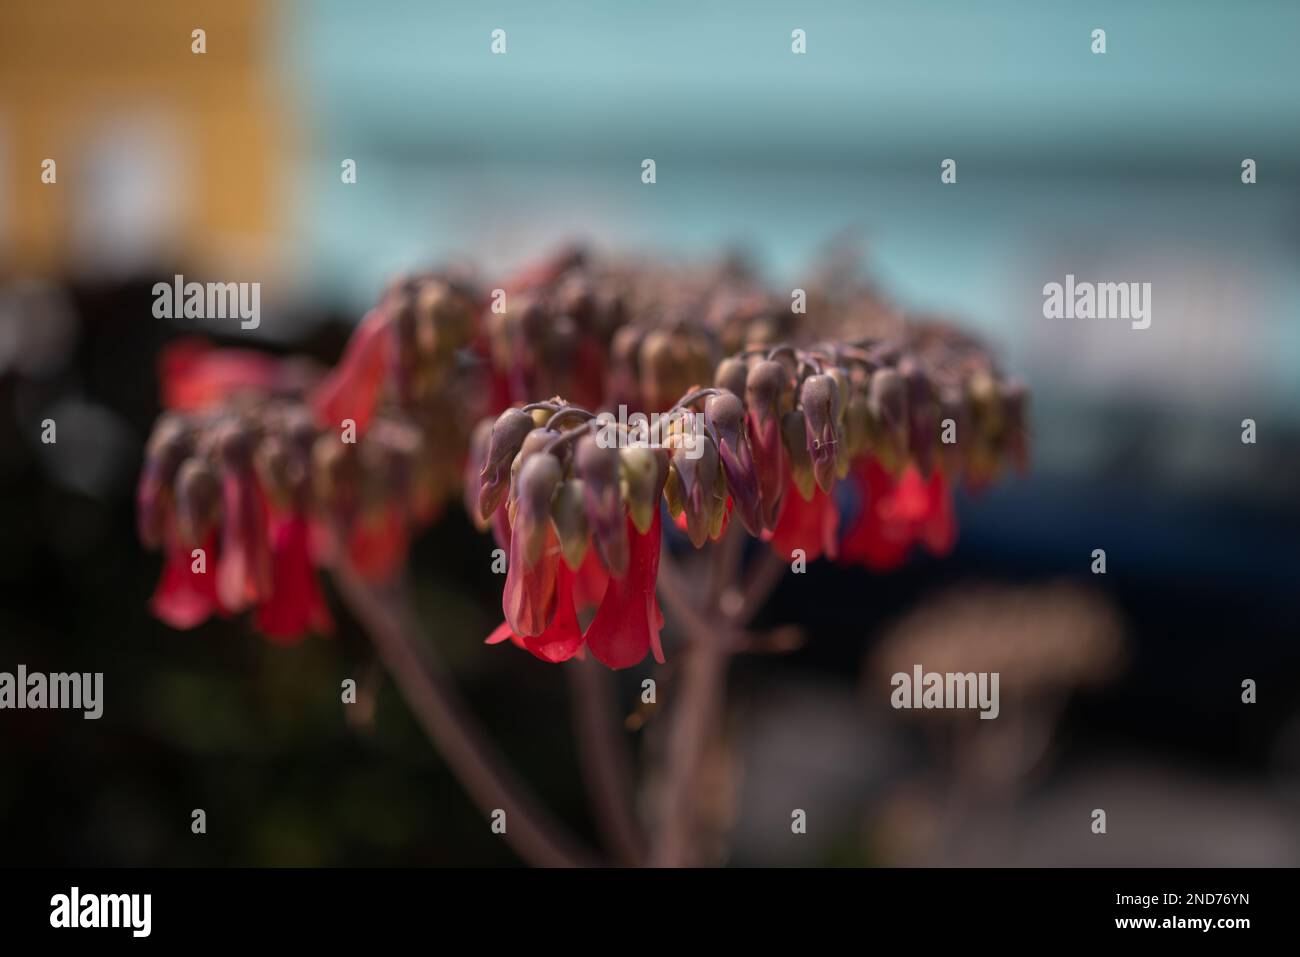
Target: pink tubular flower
195,376
628,621
562,638
377,542
897,513
296,605
542,599
184,598
810,524
353,389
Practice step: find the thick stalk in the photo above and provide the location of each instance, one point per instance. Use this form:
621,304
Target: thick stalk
413,665
606,766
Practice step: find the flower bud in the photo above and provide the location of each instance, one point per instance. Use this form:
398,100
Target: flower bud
475,459
508,434
922,414
765,390
732,374
198,501
169,444
599,469
569,512
727,417
794,433
888,400
820,399
698,486
538,479
644,473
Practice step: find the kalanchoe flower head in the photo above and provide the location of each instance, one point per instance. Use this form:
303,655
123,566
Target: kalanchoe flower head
644,473
599,468
820,398
766,388
508,434
726,414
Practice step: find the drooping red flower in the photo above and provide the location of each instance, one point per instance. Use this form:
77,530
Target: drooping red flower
353,389
809,524
529,597
195,376
378,541
896,513
628,621
186,598
590,581
244,565
562,638
296,604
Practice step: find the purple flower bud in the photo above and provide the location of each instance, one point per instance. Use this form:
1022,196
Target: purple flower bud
765,389
794,433
538,479
727,417
599,470
698,487
820,399
644,473
169,444
508,434
198,499
569,513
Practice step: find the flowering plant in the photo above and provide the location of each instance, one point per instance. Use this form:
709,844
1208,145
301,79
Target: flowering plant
837,430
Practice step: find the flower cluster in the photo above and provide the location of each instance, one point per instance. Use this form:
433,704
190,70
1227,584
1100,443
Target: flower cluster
267,469
774,441
825,423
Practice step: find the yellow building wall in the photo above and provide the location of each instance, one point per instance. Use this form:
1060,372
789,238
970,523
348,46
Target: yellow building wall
70,70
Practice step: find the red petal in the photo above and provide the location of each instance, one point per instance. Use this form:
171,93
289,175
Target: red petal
244,567
590,581
184,599
529,598
810,525
353,389
195,376
296,605
562,638
627,622
377,543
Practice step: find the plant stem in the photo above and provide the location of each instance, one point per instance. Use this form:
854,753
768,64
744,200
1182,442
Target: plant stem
698,705
606,766
413,664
